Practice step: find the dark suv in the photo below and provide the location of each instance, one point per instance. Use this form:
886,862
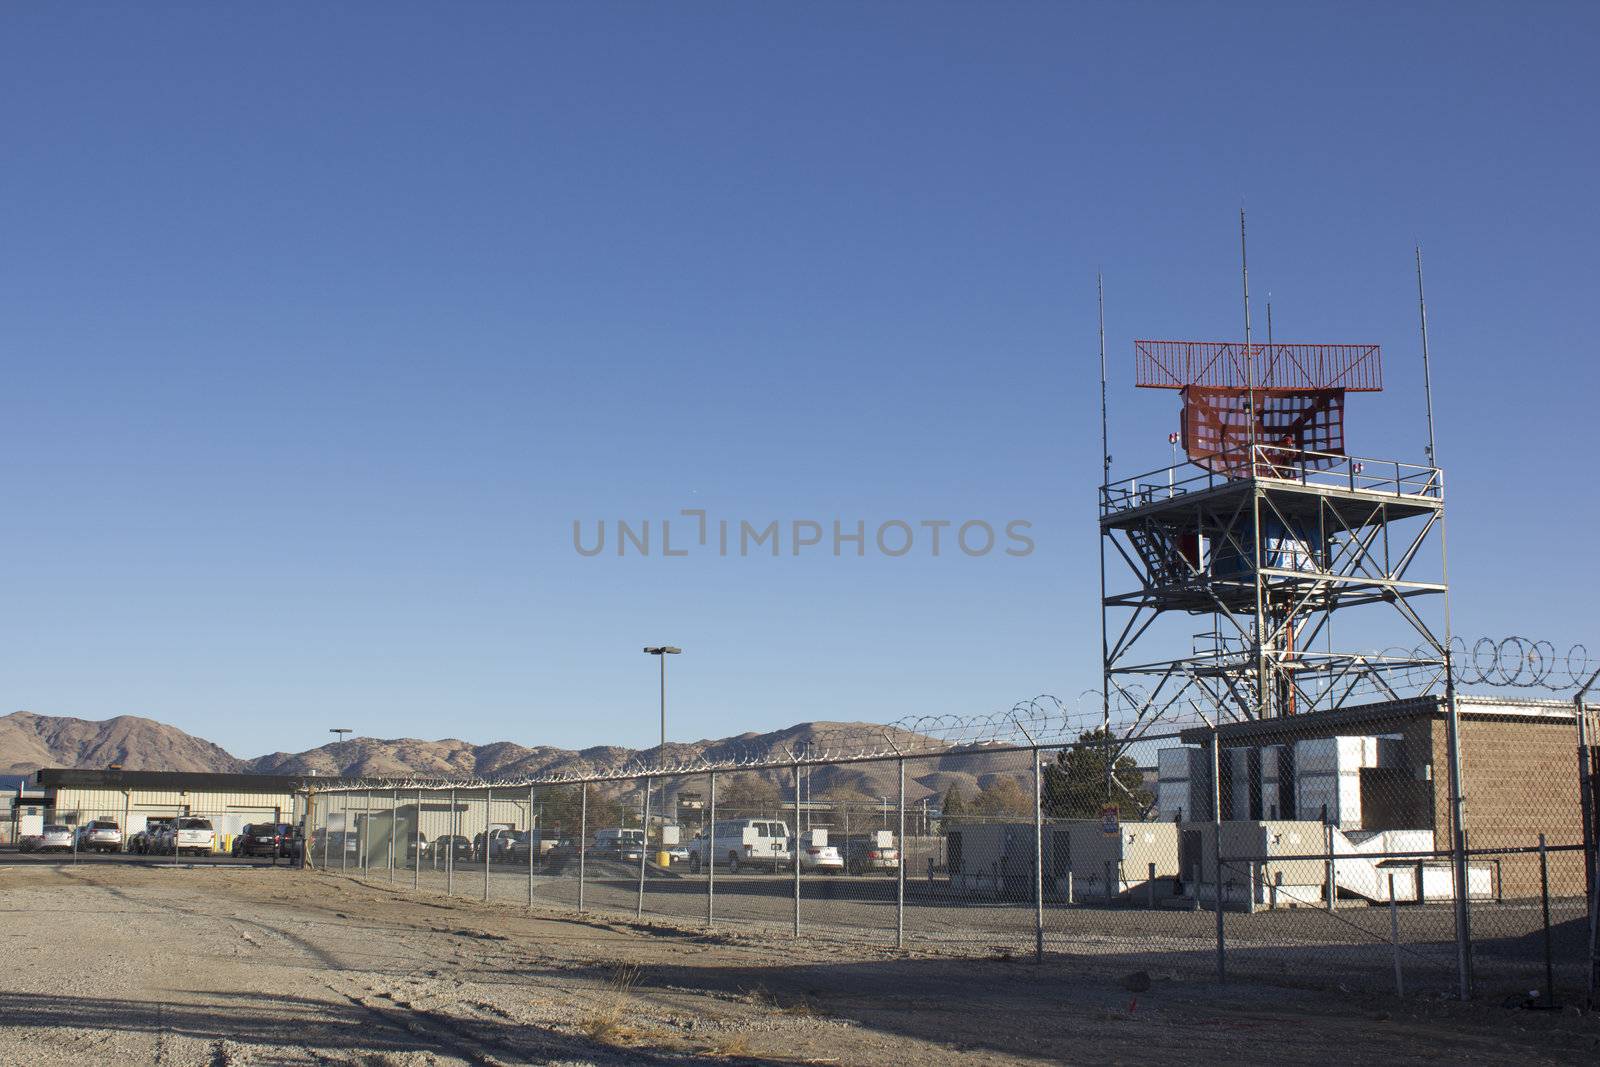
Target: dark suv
267,839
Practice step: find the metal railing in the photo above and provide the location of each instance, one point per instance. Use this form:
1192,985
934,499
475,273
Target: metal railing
1274,463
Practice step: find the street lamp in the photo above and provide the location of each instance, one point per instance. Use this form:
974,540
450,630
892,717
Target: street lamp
341,732
662,652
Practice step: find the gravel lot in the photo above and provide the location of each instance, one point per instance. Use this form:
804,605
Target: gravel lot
135,964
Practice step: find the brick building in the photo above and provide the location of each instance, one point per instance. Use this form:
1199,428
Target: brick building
1385,767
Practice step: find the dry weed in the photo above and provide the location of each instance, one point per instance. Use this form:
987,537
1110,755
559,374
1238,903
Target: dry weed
605,1024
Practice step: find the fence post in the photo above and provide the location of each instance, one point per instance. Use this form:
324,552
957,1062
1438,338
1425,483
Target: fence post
1327,864
450,853
900,866
327,828
583,839
416,840
794,848
1394,938
488,815
364,839
1458,843
344,834
1592,964
1586,785
1038,860
1216,848
531,845
307,826
1544,900
394,827
644,845
1150,886
709,855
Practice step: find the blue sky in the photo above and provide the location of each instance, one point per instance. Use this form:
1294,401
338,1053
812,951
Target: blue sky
321,326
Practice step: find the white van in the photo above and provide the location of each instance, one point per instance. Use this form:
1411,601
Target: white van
624,844
740,844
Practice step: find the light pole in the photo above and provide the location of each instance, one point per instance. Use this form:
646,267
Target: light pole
340,732
662,652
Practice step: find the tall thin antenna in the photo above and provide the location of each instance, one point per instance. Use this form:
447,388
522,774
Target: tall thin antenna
1249,355
1269,324
1105,440
1105,459
1427,372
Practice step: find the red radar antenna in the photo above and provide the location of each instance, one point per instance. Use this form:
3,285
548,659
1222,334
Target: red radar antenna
1286,399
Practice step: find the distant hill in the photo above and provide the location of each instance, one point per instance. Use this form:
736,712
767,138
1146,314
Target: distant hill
29,741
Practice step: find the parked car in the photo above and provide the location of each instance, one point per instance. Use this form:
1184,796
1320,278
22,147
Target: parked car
192,835
517,852
415,843
823,859
864,855
741,844
454,847
55,838
145,841
619,843
100,835
562,849
273,839
29,842
499,844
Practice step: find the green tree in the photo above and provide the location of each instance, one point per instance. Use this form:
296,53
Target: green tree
1004,799
563,810
954,807
1075,783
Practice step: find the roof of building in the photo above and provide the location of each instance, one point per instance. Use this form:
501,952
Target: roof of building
192,781
1510,708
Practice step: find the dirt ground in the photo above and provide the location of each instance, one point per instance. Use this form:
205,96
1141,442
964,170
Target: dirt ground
124,965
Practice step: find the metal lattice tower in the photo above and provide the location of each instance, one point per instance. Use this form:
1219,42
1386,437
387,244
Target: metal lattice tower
1239,561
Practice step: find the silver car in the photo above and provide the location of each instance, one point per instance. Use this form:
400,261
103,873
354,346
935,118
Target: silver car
56,837
101,835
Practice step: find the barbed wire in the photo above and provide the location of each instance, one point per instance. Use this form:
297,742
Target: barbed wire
1513,662
1044,721
1041,721
1517,662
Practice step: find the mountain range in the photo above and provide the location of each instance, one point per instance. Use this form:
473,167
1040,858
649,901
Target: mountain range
29,742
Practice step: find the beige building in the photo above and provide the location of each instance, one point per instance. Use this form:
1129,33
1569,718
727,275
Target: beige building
132,798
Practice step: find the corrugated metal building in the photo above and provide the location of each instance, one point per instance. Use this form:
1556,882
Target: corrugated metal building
133,797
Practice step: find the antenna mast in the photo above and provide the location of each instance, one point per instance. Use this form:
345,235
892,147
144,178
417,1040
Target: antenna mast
1249,357
1427,373
1105,441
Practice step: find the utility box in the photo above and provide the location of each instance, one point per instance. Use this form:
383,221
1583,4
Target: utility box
994,859
1328,774
1138,863
1183,783
670,833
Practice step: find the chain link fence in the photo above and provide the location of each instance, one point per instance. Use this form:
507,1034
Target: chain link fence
1393,848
